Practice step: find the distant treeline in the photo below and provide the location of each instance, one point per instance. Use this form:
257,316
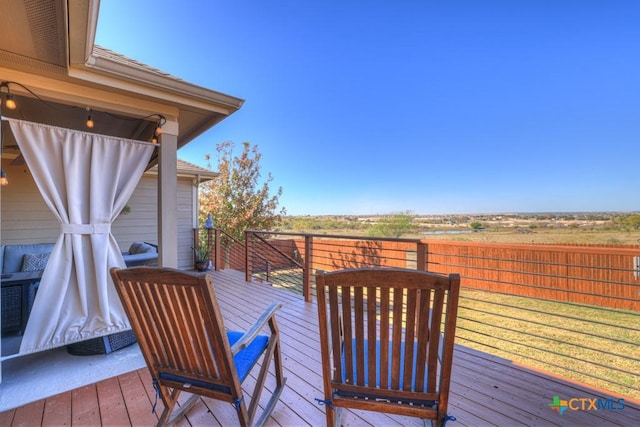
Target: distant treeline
392,225
315,223
399,224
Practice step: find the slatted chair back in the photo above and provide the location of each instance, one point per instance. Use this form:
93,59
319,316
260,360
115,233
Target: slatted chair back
387,340
180,330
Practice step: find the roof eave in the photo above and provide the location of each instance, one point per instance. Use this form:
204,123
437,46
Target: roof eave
102,67
102,70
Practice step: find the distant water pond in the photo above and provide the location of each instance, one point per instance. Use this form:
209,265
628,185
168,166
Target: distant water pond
450,232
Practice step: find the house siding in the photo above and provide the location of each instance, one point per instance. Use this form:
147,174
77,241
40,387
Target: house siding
25,217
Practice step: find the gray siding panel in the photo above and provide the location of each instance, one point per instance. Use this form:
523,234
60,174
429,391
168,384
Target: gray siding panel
25,218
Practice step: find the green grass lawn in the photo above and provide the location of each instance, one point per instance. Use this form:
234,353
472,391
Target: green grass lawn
596,346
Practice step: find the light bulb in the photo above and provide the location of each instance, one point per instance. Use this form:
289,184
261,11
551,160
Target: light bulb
10,102
90,121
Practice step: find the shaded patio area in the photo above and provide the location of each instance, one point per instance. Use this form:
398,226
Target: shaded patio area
485,390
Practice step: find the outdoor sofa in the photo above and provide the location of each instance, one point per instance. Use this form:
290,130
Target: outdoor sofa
33,257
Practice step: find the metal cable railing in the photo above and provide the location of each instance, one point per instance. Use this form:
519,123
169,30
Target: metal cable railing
564,317
275,260
225,251
578,320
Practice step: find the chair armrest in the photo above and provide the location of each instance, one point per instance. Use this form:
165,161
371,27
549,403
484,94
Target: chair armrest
252,333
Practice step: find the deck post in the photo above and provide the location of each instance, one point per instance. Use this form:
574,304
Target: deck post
167,196
210,246
218,251
196,234
247,258
308,263
422,256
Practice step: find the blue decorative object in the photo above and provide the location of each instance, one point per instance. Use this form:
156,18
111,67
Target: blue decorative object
209,222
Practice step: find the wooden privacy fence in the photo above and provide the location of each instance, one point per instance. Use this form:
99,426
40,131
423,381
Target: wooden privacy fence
604,276
595,275
601,276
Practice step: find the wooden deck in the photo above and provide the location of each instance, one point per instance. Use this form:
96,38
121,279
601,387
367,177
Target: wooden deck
485,390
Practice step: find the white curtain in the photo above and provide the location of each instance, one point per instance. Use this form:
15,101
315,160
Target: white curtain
86,180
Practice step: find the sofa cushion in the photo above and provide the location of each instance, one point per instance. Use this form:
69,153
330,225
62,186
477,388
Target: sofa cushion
141,248
141,254
141,259
14,255
35,262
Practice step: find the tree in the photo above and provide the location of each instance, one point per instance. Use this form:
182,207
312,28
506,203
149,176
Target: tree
628,222
236,199
476,225
394,225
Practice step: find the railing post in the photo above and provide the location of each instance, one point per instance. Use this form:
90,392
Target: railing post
422,256
196,242
306,273
209,246
247,248
218,247
268,271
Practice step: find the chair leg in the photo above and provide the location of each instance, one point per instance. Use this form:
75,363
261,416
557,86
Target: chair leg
330,414
181,411
262,376
272,352
277,359
272,403
243,415
334,416
170,399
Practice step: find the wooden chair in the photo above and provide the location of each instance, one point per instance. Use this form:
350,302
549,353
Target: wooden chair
179,327
370,319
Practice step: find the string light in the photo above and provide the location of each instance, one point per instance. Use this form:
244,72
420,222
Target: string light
89,119
11,104
158,130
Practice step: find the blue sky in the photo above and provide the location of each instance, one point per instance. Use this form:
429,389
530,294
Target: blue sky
433,107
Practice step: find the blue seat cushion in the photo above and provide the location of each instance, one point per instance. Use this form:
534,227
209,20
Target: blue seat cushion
248,357
244,361
377,382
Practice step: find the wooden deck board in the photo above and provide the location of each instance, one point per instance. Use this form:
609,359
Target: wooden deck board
486,390
507,388
137,400
113,408
85,410
56,411
29,415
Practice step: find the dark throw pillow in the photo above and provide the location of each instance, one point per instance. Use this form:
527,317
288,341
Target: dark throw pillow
35,262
